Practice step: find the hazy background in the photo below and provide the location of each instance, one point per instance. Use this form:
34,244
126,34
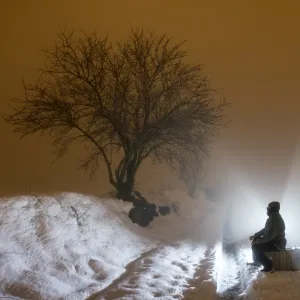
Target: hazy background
250,50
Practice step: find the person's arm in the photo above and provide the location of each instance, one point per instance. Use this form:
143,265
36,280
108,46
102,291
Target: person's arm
259,233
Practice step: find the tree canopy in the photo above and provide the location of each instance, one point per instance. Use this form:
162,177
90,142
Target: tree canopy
136,97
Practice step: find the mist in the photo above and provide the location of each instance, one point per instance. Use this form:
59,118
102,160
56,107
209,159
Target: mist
250,50
246,208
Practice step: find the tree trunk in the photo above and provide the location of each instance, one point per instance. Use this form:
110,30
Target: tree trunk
125,187
124,190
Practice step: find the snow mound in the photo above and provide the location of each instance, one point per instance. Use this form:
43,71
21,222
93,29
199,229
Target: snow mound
56,245
276,286
70,246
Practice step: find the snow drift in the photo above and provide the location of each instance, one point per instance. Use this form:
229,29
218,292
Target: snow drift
70,246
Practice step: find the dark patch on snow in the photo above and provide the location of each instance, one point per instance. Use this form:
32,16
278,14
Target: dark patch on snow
164,210
143,212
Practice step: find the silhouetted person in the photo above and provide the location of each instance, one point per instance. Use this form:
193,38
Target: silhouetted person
270,239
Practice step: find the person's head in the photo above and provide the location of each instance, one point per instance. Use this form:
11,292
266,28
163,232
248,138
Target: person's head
273,207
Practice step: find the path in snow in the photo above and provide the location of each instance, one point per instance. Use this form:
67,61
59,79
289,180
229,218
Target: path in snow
165,272
233,276
201,285
181,271
132,268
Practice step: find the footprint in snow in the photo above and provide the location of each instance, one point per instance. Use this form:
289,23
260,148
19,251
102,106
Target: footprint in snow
181,265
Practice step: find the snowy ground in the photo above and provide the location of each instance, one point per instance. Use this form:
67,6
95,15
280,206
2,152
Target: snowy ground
71,246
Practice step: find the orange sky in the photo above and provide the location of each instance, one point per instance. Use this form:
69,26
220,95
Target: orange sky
250,50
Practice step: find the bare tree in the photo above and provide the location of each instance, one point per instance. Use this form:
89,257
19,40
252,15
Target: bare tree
191,171
136,97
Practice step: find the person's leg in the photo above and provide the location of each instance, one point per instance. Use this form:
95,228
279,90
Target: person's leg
254,257
259,254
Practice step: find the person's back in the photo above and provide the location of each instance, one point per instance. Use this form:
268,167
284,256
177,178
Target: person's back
278,222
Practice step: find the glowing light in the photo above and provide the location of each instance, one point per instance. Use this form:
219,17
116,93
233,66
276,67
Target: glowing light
290,208
225,270
218,264
246,253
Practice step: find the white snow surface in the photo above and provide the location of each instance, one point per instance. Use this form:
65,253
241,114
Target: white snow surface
71,246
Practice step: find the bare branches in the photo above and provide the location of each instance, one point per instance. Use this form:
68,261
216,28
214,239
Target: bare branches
191,170
79,222
138,97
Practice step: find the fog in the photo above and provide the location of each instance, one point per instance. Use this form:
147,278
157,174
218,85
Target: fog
247,207
250,50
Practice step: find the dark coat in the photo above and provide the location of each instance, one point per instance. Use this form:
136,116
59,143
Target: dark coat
273,232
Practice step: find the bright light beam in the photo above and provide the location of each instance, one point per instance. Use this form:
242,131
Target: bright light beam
290,208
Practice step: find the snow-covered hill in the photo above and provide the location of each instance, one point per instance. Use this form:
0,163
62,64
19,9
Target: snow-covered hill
72,246
69,246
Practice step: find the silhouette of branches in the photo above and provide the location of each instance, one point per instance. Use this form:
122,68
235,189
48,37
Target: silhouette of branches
137,97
